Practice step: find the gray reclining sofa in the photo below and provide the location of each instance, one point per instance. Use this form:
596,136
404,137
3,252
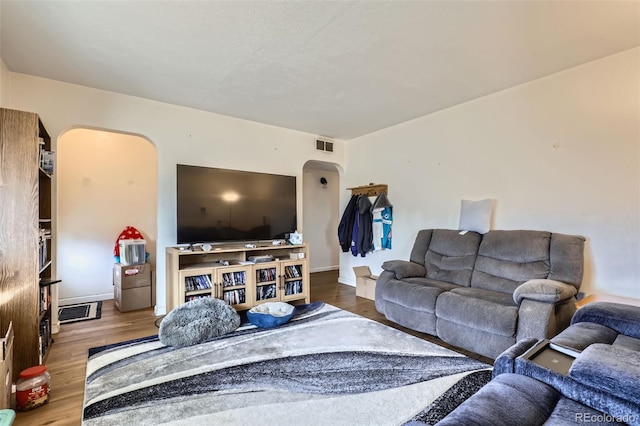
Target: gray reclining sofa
600,387
484,292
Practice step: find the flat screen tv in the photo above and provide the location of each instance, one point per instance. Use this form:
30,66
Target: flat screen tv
220,205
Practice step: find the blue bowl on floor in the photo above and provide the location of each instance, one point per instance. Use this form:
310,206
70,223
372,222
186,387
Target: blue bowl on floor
270,314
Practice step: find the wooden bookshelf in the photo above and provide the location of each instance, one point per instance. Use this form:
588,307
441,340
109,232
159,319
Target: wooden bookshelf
26,237
226,272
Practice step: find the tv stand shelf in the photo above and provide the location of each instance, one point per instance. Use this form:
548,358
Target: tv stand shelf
225,272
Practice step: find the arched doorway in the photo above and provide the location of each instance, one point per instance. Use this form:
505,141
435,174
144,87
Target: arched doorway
321,214
105,182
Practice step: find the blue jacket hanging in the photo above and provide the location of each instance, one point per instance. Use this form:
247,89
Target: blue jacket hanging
381,206
381,211
387,220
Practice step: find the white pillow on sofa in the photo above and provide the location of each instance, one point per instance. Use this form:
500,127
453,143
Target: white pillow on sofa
476,215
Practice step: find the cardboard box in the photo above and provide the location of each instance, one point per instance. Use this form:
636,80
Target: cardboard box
131,276
365,282
132,299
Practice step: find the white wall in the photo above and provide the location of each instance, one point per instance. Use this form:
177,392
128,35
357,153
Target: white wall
106,181
181,135
560,154
321,216
5,77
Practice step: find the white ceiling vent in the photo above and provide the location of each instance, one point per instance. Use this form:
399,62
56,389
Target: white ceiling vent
324,145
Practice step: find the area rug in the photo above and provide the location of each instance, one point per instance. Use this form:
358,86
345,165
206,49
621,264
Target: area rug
325,367
79,312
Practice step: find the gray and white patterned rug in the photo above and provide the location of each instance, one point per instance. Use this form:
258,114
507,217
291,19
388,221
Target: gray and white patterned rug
325,367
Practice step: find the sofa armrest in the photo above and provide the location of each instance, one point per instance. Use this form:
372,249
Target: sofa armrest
541,290
505,363
404,268
622,318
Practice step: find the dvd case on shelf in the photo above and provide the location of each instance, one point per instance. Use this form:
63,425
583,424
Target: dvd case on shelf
265,292
234,297
197,282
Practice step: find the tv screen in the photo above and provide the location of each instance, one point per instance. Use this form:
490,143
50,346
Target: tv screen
221,205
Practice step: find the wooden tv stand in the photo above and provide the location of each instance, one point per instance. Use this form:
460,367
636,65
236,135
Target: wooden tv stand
226,272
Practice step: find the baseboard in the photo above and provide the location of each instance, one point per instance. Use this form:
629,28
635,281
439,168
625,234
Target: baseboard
347,281
85,299
324,269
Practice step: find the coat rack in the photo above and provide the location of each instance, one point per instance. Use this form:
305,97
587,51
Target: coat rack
371,190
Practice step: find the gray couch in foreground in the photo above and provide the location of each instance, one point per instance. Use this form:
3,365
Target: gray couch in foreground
484,292
601,386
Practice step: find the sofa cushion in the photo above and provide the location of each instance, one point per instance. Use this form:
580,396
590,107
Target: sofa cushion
566,254
583,334
612,369
420,246
417,297
488,295
627,342
479,309
451,256
432,283
507,259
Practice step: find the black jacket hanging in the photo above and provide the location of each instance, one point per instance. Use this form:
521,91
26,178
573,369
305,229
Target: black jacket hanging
345,228
365,226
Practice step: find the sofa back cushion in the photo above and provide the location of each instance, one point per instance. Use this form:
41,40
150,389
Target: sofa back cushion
450,257
420,246
506,259
567,259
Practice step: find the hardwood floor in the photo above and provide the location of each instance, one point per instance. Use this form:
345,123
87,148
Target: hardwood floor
68,357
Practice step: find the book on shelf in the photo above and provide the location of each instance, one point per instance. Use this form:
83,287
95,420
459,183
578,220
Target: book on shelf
194,297
265,275
293,287
44,338
292,272
197,282
265,292
234,297
45,298
230,279
46,160
43,252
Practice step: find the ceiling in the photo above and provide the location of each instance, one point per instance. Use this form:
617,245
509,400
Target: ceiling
338,69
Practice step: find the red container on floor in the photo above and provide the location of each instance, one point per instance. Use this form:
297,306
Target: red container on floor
32,389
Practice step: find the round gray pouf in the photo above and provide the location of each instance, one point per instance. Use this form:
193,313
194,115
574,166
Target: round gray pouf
196,321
